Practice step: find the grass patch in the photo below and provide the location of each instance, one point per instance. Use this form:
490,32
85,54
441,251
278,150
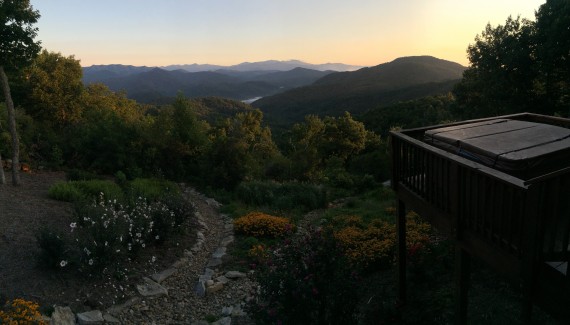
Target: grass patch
152,188
65,191
372,205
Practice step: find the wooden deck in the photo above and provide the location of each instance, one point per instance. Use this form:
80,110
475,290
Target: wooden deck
521,228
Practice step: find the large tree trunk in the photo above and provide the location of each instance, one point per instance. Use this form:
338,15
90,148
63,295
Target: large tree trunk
12,128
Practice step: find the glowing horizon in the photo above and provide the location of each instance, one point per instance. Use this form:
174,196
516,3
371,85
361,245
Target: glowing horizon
225,32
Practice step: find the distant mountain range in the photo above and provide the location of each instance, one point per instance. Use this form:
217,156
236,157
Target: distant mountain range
288,89
358,91
243,81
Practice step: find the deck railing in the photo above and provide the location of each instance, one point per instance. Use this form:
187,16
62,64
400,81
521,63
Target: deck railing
513,224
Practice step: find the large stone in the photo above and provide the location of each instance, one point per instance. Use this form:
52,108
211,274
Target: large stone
93,317
227,311
62,316
213,262
227,240
109,319
181,262
151,288
219,253
200,289
215,287
117,309
222,279
235,275
159,277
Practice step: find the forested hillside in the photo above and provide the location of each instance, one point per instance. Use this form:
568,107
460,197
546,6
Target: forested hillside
359,91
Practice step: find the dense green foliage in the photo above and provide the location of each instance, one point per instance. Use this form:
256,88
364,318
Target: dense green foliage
520,66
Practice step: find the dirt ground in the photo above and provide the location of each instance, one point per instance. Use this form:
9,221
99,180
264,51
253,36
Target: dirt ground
24,210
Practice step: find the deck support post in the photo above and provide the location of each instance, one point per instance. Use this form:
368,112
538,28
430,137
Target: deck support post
462,275
402,251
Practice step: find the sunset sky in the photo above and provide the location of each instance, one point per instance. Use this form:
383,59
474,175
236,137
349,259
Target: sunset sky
226,32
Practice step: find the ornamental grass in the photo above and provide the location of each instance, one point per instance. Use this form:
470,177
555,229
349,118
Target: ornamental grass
259,224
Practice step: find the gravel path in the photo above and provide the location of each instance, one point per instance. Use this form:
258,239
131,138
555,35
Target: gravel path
182,305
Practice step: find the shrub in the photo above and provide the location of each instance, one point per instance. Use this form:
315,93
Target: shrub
375,245
73,191
367,247
65,191
152,188
21,311
106,232
282,196
305,281
259,224
52,249
81,175
93,188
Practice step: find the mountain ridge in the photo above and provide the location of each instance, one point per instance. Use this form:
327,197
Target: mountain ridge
405,78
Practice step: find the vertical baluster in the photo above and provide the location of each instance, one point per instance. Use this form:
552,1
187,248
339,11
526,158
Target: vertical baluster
553,192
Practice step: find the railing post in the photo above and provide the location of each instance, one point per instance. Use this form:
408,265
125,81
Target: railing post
462,277
402,251
530,249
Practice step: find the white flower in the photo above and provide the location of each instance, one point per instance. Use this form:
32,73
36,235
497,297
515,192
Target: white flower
157,237
73,225
63,263
143,245
90,261
153,259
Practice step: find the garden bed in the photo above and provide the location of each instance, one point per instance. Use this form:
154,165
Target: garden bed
24,211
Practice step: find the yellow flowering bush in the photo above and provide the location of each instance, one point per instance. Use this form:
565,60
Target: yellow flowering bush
376,243
21,311
259,224
258,253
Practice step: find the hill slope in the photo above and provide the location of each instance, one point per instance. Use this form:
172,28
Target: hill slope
402,79
155,85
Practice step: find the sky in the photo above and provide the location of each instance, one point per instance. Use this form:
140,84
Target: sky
227,32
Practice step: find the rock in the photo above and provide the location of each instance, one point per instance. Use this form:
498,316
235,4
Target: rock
213,262
200,236
215,287
219,253
93,317
62,316
151,288
180,262
223,321
115,310
222,279
110,319
227,240
200,289
209,283
227,311
159,277
235,275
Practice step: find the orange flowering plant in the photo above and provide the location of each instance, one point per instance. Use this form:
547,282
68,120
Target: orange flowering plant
21,311
259,224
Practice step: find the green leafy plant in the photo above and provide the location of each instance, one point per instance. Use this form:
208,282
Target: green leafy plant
305,281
